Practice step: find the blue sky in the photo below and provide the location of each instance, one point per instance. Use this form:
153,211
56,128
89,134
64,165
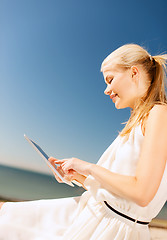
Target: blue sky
51,86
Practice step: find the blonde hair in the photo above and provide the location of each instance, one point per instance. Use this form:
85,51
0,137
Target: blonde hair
132,54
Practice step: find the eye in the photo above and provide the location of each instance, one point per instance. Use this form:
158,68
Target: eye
110,80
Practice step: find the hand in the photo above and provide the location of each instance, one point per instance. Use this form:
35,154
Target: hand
60,170
74,165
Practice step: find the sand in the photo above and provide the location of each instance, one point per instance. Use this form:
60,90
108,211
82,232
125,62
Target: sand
158,229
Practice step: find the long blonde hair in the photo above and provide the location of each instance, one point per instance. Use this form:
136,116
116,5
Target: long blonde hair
155,67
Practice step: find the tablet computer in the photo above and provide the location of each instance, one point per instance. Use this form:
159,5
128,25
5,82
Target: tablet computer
45,157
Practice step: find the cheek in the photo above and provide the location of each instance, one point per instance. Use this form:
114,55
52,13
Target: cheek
124,87
115,85
119,88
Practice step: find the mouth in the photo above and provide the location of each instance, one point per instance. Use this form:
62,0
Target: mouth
113,95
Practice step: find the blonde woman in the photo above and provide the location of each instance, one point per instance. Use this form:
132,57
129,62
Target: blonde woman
127,188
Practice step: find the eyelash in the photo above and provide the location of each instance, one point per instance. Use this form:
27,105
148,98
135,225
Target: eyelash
110,81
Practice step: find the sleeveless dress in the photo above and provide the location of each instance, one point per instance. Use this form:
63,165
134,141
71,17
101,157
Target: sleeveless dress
87,217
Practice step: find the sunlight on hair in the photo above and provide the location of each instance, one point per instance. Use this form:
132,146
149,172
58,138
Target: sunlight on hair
129,55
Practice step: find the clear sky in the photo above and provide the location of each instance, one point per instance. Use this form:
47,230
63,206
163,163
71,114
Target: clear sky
51,87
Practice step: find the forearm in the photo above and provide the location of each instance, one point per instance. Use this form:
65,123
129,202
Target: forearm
121,185
128,187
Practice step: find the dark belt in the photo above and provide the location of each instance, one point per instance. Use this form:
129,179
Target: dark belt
125,216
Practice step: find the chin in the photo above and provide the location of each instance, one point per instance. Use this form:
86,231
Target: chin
119,106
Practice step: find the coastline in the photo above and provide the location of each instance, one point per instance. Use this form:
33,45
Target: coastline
158,227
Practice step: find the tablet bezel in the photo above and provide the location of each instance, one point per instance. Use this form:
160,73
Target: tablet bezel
45,157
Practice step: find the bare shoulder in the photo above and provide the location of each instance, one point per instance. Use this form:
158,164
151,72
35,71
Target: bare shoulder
158,110
157,114
157,118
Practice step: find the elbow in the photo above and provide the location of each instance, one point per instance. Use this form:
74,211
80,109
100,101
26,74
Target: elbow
142,199
142,202
142,194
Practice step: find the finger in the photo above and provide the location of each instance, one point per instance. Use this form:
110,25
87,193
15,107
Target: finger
58,179
51,160
72,172
60,170
57,161
65,169
1,203
68,177
67,165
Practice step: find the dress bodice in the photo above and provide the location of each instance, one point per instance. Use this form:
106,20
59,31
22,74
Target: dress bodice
122,157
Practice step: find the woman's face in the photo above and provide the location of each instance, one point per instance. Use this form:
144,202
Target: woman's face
121,87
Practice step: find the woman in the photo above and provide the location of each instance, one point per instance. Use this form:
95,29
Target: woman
127,187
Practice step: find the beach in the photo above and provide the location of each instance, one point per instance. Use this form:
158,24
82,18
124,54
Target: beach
158,229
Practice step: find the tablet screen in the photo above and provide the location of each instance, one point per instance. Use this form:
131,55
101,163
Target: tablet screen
45,157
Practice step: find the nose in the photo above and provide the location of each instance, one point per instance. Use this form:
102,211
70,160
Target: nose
108,90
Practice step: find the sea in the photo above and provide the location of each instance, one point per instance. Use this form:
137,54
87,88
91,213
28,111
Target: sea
22,185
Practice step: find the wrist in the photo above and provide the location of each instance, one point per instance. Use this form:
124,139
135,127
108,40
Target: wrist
90,168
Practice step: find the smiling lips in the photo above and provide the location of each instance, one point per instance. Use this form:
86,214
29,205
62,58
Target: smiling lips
113,95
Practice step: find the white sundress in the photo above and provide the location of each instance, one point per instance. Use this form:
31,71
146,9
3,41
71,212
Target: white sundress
87,217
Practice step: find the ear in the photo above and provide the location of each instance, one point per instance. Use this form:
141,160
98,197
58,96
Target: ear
134,73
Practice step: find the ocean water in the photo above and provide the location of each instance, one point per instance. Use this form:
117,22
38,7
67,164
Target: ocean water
18,184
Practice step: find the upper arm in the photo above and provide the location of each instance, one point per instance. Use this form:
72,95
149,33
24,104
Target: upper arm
153,155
